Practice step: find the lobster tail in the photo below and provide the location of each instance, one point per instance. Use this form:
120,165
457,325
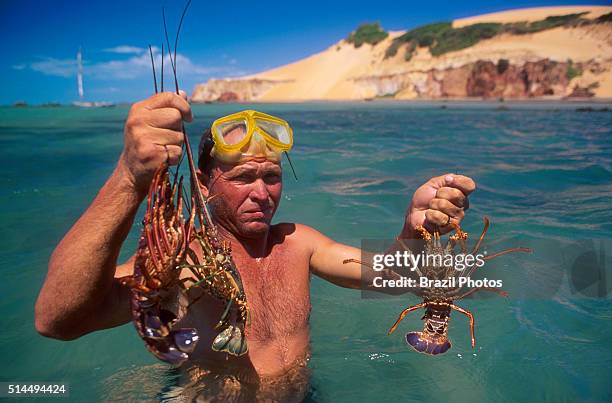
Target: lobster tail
154,325
427,343
433,340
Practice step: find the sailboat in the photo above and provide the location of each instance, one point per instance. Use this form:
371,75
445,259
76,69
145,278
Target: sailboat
81,103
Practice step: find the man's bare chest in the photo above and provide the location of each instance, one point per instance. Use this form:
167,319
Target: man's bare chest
277,288
278,293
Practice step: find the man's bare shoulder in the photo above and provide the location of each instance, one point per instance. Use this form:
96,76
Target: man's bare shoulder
298,235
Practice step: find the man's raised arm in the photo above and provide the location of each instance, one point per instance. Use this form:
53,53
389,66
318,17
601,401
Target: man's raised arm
80,293
440,201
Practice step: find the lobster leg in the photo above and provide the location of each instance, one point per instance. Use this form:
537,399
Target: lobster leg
459,236
225,313
404,313
469,315
473,268
423,232
484,232
159,209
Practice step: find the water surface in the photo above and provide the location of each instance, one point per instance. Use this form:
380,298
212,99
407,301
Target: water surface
543,173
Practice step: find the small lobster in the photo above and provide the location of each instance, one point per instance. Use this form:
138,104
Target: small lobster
165,249
437,301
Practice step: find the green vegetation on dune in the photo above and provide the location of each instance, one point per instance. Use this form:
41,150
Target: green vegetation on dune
441,37
421,36
572,70
461,38
367,33
604,18
520,28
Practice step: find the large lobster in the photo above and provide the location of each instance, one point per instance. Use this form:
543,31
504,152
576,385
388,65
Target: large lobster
165,250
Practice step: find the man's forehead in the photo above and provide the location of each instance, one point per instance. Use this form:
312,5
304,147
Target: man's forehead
249,166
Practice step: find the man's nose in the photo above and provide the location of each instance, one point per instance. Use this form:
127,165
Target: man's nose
259,191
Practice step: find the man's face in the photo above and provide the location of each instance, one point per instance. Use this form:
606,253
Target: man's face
244,197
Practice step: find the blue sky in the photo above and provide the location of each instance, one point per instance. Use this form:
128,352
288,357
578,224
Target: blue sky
40,39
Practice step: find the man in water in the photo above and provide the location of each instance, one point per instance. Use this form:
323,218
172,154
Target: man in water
81,293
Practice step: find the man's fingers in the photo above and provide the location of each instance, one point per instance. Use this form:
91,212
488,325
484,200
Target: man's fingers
435,217
465,184
453,195
168,118
171,153
170,100
446,207
166,136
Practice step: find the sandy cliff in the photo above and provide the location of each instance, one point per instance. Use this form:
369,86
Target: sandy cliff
570,60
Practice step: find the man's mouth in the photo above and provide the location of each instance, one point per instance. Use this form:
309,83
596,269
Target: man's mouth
257,214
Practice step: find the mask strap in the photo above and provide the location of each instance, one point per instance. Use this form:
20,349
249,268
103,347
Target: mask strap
290,164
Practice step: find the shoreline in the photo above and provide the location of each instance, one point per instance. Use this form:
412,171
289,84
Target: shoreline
379,100
423,101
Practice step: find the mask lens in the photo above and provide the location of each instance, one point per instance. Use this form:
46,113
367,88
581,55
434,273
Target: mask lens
232,132
275,130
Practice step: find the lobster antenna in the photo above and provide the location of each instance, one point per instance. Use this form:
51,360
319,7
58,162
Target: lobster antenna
162,68
202,210
290,164
187,199
172,64
178,31
169,49
153,66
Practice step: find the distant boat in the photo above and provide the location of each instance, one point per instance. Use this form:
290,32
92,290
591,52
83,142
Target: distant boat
81,103
51,105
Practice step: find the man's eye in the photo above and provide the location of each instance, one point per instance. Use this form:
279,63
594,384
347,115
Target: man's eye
272,178
243,178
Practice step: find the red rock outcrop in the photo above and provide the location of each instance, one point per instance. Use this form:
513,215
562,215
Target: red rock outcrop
533,79
228,96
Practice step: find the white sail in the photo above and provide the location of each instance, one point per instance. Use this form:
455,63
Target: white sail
80,73
81,103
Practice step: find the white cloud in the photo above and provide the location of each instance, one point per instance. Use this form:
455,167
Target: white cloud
55,67
125,49
133,67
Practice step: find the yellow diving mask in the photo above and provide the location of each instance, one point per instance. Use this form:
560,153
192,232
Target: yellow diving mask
250,135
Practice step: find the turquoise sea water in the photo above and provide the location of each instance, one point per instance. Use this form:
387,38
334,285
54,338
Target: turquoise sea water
544,176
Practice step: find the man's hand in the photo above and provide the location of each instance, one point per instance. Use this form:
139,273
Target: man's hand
441,201
153,135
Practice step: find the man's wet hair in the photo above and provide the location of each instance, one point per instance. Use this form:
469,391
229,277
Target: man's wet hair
205,161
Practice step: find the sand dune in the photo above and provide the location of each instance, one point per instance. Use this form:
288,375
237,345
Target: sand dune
343,72
531,14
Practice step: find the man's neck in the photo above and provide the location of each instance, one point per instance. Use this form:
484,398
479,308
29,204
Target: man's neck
254,247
